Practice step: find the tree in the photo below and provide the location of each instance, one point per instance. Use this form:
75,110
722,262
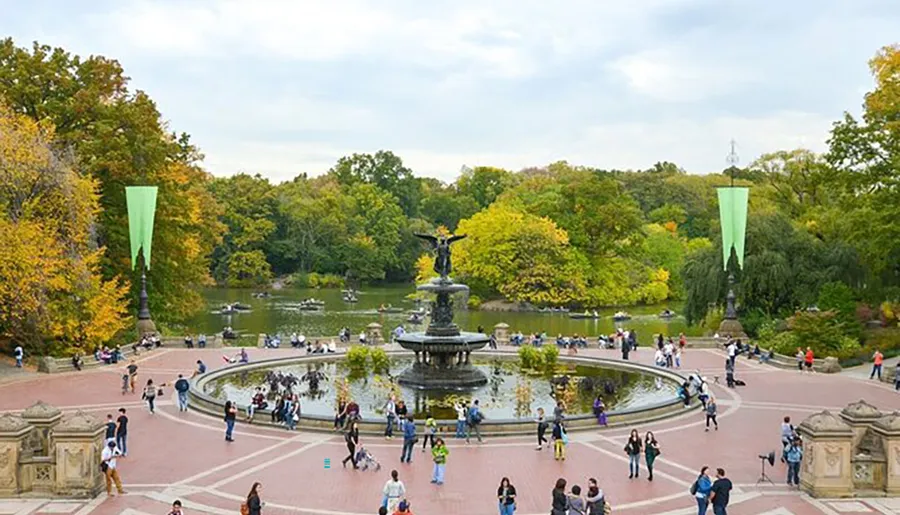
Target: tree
521,256
248,209
799,178
119,139
52,297
484,184
385,170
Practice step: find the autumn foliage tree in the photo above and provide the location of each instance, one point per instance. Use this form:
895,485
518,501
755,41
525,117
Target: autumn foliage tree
52,295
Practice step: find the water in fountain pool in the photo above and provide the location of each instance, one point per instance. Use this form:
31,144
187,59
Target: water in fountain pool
621,390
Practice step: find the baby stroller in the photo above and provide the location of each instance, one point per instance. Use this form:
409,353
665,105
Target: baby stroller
364,460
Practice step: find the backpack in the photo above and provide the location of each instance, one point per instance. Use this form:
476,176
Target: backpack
694,487
475,417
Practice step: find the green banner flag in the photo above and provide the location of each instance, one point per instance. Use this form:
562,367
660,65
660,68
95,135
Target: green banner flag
141,202
733,217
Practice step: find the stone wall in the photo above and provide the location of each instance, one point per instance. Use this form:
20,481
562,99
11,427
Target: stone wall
45,453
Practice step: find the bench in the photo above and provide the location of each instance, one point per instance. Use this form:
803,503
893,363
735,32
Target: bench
51,365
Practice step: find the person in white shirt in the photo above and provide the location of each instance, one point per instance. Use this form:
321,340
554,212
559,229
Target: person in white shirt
659,358
19,354
108,465
332,347
394,491
669,351
460,419
732,352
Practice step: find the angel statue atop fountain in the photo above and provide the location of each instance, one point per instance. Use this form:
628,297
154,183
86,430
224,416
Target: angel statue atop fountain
441,247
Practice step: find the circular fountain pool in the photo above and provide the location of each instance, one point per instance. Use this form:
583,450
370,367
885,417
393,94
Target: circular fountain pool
512,393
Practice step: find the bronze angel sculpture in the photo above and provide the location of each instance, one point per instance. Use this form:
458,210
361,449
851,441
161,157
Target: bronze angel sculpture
441,247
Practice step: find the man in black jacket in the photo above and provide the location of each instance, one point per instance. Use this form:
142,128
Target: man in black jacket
182,386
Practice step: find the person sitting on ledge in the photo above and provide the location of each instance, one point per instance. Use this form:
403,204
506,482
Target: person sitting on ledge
77,361
189,342
332,347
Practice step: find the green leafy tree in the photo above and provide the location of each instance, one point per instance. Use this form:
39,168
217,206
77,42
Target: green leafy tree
385,170
484,184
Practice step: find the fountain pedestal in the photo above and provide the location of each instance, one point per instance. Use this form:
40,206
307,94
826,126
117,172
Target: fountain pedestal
443,351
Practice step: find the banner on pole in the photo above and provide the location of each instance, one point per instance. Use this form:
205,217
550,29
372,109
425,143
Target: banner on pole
141,202
733,217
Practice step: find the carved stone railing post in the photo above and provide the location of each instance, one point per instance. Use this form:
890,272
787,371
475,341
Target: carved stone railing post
42,417
14,431
77,444
501,333
827,447
373,334
888,428
867,459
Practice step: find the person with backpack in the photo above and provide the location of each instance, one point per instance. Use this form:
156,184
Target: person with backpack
182,386
793,455
475,417
409,440
700,490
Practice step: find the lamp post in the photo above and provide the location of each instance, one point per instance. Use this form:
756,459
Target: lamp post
733,216
141,201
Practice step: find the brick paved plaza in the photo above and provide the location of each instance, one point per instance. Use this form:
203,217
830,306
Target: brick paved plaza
184,455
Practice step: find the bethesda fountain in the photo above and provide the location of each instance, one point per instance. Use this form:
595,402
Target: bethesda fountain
442,351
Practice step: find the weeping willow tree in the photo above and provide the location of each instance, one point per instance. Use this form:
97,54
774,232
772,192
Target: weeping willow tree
784,269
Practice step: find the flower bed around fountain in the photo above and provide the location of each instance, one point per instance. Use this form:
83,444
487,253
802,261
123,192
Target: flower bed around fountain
501,397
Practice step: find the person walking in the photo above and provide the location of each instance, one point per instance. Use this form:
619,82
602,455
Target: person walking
651,451
793,455
700,490
149,395
594,498
560,439
506,496
633,450
541,429
808,360
351,438
474,421
711,410
409,440
230,416
720,493
560,501
176,508
439,455
393,492
131,370
460,408
19,354
897,376
108,466
253,505
122,432
430,430
877,363
181,387
787,435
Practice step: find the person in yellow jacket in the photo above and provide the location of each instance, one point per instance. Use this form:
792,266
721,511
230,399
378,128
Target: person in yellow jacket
439,454
430,431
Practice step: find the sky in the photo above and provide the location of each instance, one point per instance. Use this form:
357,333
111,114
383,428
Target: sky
283,87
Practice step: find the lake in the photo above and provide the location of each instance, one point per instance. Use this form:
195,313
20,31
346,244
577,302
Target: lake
279,314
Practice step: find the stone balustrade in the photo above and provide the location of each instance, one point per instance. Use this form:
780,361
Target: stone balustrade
45,453
853,453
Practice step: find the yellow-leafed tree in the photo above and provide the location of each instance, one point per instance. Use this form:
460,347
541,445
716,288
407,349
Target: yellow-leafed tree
52,297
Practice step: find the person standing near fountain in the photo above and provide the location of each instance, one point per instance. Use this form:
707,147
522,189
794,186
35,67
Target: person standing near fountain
351,437
474,420
460,408
409,440
390,411
439,455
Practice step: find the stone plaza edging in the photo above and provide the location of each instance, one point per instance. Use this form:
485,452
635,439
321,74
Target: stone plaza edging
206,404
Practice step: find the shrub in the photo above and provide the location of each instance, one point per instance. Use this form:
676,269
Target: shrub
316,280
474,302
712,320
784,343
381,362
358,357
549,356
529,357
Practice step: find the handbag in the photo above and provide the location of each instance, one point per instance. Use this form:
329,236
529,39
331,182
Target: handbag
104,466
245,509
607,509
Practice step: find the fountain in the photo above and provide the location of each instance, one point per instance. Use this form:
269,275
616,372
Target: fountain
442,351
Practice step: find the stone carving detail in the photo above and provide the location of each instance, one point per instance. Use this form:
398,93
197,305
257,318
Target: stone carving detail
41,410
7,467
895,470
35,443
810,456
862,473
79,422
75,464
833,461
42,473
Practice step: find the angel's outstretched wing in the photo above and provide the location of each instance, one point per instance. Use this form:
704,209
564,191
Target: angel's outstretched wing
432,239
456,237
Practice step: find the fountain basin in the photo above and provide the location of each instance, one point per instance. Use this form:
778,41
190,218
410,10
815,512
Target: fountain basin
209,391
